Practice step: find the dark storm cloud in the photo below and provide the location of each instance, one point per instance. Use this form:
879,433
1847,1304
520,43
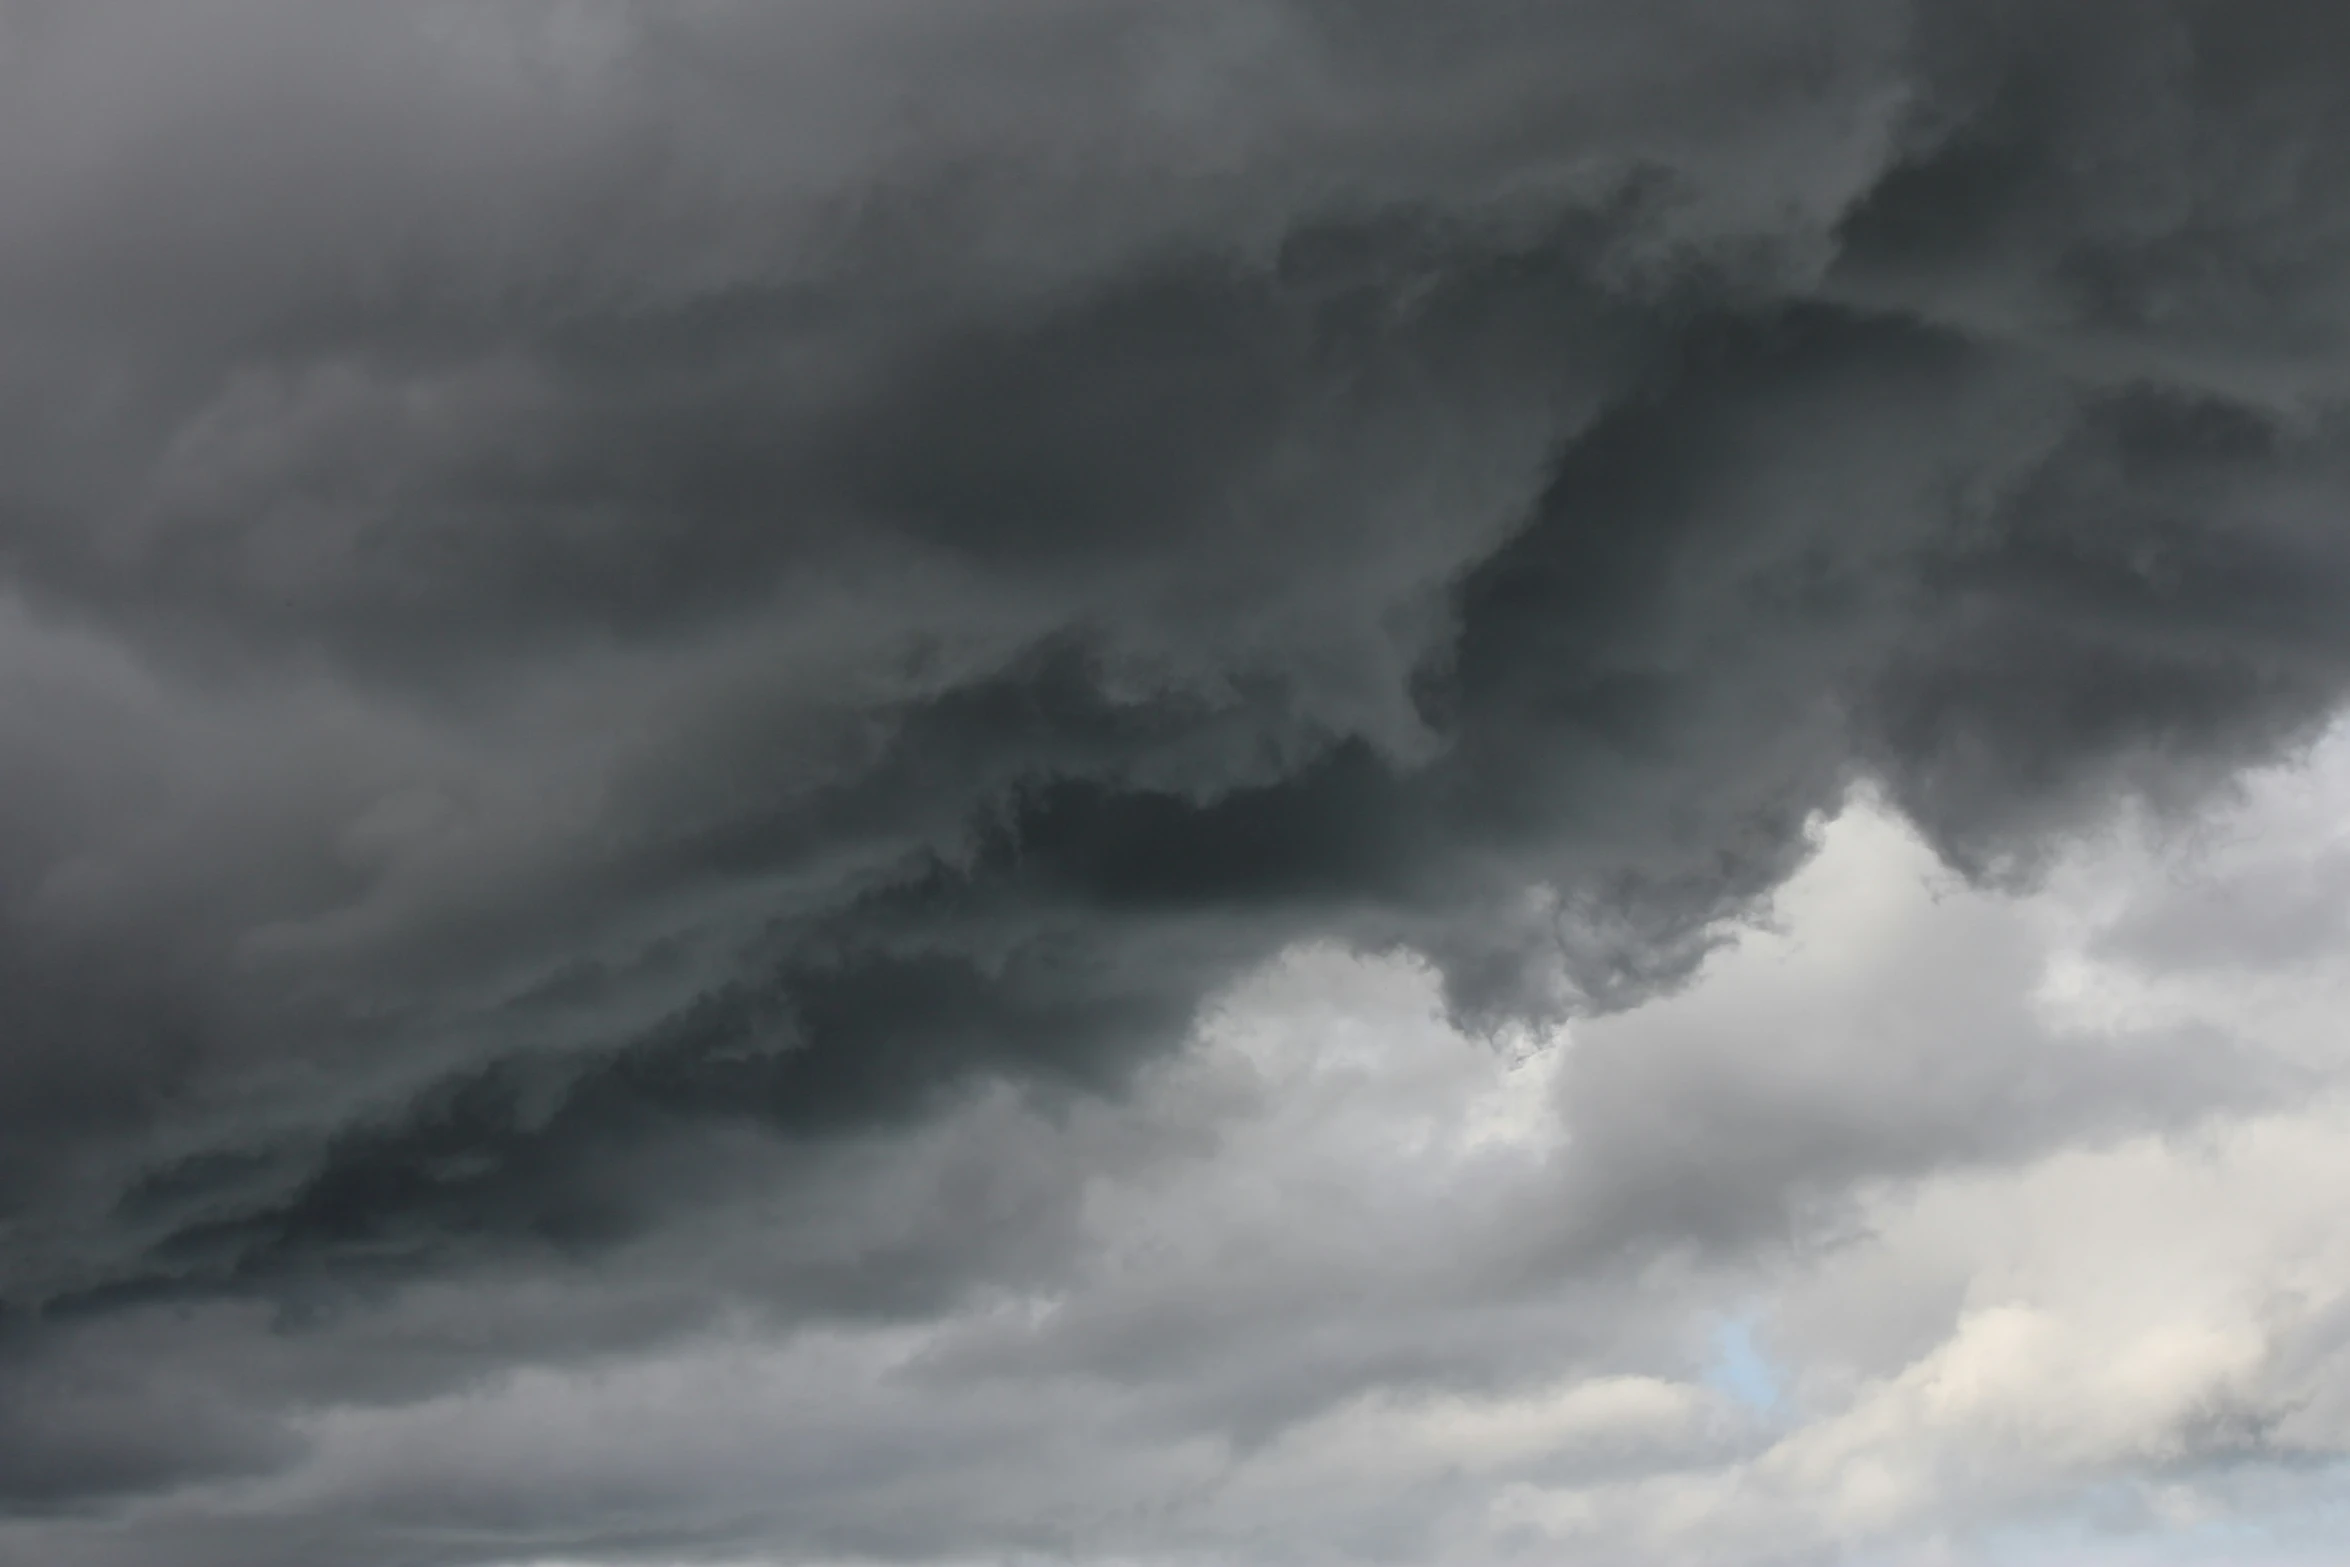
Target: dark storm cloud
584,580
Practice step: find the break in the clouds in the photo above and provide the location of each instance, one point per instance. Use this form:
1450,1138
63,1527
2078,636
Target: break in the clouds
760,765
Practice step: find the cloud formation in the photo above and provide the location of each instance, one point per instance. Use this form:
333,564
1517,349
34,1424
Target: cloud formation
1274,1302
615,617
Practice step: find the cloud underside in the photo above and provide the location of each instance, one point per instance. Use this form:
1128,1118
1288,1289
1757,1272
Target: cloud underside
1927,1226
618,619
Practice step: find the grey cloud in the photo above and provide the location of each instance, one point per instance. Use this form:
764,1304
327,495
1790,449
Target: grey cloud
2292,916
1748,1112
1272,1300
1202,1318
586,584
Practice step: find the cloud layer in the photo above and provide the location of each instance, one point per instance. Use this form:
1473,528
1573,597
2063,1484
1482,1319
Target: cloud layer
2051,1287
621,622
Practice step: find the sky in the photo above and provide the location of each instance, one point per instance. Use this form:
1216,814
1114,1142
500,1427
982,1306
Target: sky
1276,783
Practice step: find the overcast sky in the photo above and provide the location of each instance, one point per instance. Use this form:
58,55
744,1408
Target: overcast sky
1147,784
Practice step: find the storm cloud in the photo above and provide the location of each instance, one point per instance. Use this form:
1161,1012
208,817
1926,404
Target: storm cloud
618,623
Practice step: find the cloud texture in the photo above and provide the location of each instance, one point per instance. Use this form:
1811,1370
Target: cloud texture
1338,1284
618,623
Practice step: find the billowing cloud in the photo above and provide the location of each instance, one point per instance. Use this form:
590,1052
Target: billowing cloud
619,623
1274,1302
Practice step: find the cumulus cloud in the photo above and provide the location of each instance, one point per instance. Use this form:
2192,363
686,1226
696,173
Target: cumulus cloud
653,656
